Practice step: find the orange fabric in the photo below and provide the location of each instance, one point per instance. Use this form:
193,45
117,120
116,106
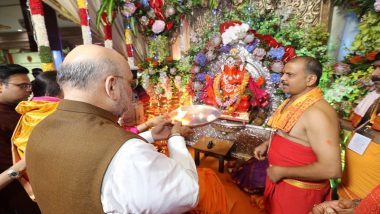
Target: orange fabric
290,195
212,195
355,119
362,173
370,204
285,119
375,118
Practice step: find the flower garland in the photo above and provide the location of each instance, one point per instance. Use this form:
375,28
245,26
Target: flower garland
37,14
129,46
107,30
155,16
236,97
83,15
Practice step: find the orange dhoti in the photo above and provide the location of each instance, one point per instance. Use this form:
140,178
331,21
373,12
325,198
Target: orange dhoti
212,195
290,195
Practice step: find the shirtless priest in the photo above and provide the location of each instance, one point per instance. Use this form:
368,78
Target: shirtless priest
304,152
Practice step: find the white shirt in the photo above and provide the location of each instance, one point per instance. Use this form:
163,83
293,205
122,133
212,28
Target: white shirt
141,180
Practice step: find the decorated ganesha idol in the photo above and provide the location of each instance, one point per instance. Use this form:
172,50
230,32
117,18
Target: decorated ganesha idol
238,72
228,87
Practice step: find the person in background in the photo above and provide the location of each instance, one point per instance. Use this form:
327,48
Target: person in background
79,158
36,72
358,181
46,95
15,87
14,172
123,121
304,152
369,205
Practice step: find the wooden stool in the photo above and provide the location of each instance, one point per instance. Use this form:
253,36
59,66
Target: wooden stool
219,149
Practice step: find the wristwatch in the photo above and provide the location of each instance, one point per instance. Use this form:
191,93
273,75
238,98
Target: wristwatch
13,173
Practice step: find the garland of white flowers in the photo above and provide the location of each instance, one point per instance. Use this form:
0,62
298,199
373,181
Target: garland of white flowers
166,85
38,21
83,15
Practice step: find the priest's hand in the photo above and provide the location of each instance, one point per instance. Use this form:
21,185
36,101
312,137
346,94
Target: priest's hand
162,130
178,129
343,206
261,150
275,173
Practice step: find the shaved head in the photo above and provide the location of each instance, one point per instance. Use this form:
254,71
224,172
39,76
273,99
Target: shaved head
88,64
98,76
312,65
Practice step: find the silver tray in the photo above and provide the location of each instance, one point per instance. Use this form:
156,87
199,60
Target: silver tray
195,115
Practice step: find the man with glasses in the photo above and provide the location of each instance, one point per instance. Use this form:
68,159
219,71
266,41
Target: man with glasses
14,87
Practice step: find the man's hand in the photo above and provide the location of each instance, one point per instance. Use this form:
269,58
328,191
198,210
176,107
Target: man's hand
162,130
157,120
182,130
275,173
344,206
261,150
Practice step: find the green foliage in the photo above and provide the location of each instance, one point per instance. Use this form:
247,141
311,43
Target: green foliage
45,54
158,46
368,38
360,7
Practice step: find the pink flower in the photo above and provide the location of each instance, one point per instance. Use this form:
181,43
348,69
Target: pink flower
259,54
158,26
129,9
277,66
341,68
377,6
169,11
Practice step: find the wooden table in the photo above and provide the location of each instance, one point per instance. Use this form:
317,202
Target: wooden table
219,150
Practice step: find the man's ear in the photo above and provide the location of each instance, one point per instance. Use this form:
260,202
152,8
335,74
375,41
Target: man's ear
111,87
311,80
1,87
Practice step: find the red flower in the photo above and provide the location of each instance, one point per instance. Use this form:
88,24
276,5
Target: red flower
169,26
356,59
271,41
138,5
371,55
223,27
290,53
156,3
150,23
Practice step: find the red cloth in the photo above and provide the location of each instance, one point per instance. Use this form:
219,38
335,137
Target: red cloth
283,197
371,203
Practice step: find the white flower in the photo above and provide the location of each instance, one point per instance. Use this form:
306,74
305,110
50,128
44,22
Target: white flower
235,33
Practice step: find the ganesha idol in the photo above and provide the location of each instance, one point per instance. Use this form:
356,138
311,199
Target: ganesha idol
226,90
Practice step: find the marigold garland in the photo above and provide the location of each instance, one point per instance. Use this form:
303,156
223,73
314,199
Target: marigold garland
236,98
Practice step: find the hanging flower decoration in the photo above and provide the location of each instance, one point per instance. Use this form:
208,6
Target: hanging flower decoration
37,15
84,22
238,70
155,17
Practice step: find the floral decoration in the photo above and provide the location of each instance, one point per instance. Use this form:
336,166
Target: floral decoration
260,55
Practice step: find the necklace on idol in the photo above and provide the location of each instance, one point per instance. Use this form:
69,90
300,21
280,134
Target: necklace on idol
235,97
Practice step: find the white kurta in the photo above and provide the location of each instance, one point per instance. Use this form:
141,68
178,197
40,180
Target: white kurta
141,180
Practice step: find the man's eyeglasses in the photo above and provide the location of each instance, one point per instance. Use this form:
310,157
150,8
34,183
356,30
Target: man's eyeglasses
26,86
134,83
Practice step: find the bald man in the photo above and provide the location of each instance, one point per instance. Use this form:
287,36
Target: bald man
80,161
304,153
